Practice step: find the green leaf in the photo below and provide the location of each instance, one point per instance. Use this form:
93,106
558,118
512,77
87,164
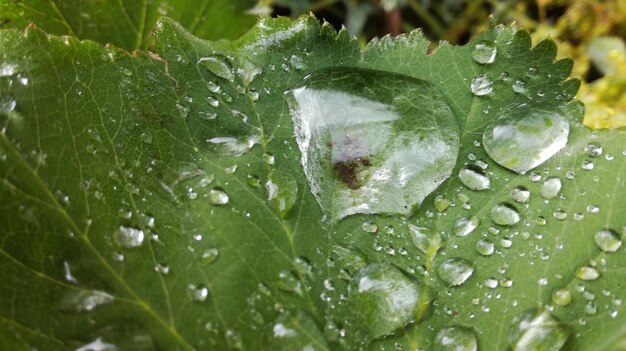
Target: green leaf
128,24
164,200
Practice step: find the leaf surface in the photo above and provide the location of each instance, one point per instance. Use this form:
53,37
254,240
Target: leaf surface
162,200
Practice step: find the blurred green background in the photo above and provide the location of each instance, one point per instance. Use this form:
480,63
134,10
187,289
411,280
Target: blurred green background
591,32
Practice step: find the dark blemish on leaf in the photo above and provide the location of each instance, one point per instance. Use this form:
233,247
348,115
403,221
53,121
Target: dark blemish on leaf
347,171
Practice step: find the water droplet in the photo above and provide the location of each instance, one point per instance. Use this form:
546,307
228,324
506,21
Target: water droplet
85,300
537,330
484,52
550,188
520,194
481,85
455,271
162,268
282,191
474,178
218,197
608,240
128,237
587,273
146,137
8,69
519,86
213,102
422,238
464,226
485,247
377,136
229,146
505,214
523,138
441,203
351,257
209,256
455,339
391,299
369,227
561,297
197,292
587,165
593,209
559,214
218,66
7,104
287,281
98,345
593,149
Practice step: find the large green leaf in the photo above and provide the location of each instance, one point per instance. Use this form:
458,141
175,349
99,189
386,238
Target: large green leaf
166,200
128,23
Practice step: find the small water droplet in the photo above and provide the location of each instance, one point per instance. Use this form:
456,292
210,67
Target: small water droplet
98,345
481,85
197,292
561,297
218,197
85,300
146,137
455,338
128,237
287,281
465,226
519,86
593,149
587,165
8,69
474,178
369,227
209,256
520,194
484,52
587,273
162,268
608,240
455,271
485,247
218,66
505,213
550,188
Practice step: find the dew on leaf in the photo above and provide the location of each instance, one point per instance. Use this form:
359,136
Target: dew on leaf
524,137
455,271
209,256
282,191
7,103
561,297
481,85
8,69
386,299
128,237
474,178
217,66
162,268
385,152
559,214
587,273
505,214
491,283
287,281
465,226
519,86
485,247
441,203
422,237
593,149
520,194
369,227
550,187
212,101
484,52
455,338
229,146
587,165
218,197
197,292
85,300
608,240
537,330
97,345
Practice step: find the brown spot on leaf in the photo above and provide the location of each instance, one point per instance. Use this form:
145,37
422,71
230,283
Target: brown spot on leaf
347,171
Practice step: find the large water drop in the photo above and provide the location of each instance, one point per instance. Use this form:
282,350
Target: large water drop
384,299
537,330
455,271
455,339
372,142
524,137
